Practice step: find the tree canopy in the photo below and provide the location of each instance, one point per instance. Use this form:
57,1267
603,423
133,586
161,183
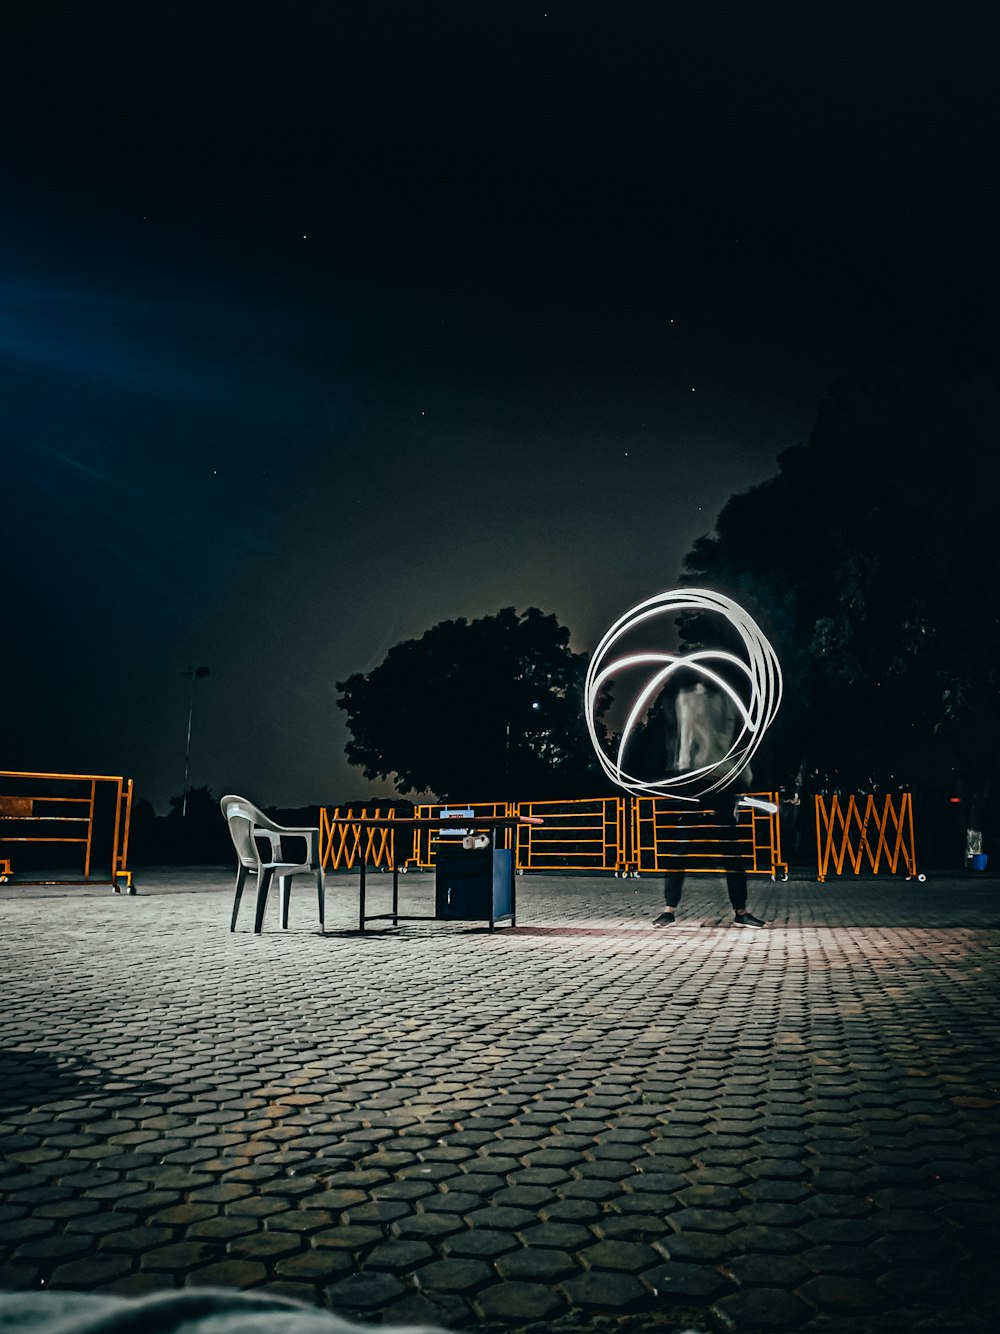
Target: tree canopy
476,710
871,561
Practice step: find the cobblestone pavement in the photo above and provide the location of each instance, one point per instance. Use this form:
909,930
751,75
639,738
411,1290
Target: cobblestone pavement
583,1123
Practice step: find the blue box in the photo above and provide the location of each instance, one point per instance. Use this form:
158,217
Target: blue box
474,885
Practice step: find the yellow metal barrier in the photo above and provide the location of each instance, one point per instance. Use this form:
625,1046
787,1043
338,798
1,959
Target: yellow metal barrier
868,832
425,841
669,836
588,834
341,843
34,813
624,835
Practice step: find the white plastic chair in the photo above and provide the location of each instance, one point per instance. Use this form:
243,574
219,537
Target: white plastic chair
263,850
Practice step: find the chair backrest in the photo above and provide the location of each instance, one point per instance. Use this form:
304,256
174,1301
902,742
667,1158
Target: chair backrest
241,816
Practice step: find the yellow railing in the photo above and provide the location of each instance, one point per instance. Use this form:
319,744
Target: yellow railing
588,834
867,832
669,836
32,813
625,835
425,841
341,843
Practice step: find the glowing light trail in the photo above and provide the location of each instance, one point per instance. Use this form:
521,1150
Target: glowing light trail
756,706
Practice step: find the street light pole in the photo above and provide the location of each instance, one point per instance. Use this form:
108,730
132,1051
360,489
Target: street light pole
196,674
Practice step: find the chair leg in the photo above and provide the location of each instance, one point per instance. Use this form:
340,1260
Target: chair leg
320,887
264,878
284,894
241,880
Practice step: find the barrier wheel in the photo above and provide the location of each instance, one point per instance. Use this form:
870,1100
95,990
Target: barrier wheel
403,870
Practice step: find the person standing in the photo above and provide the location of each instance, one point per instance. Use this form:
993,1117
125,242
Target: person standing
715,826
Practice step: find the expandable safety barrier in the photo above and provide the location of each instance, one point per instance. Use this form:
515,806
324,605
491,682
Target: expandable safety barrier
62,809
669,836
588,834
342,843
625,835
425,841
867,831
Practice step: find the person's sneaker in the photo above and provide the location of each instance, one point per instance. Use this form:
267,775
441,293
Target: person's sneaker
664,919
748,919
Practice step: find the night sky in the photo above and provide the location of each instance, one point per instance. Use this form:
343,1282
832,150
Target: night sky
324,322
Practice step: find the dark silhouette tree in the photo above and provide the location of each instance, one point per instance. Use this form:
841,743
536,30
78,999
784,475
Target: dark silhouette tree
200,835
870,560
480,710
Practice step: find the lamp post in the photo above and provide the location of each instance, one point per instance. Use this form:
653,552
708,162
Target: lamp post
196,674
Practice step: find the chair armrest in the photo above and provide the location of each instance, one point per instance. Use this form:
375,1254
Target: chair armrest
272,839
275,838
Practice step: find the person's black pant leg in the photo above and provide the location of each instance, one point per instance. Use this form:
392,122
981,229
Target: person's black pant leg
673,887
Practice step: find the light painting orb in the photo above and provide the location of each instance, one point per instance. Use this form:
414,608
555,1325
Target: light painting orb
755,699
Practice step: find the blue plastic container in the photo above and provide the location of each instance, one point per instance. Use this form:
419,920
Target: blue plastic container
979,861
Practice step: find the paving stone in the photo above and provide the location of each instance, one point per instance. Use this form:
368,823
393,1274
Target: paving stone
631,1227
675,1281
256,1206
536,1264
397,1256
221,1228
421,1227
590,1190
136,1239
149,1200
523,1196
653,1180
605,1291
710,1197
314,1266
836,1206
769,1270
227,1274
570,1211
179,1256
695,1246
98,1225
480,1243
137,1284
462,1275
439,1310
300,1220
830,1259
67,1209
23,1229
264,1245
364,1292
704,1220
221,1194
501,1216
54,1247
644,1203
514,1301
627,1256
831,1292
90,1271
847,1231
762,1308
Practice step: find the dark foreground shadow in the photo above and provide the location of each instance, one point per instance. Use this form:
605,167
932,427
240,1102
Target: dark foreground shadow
31,1079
